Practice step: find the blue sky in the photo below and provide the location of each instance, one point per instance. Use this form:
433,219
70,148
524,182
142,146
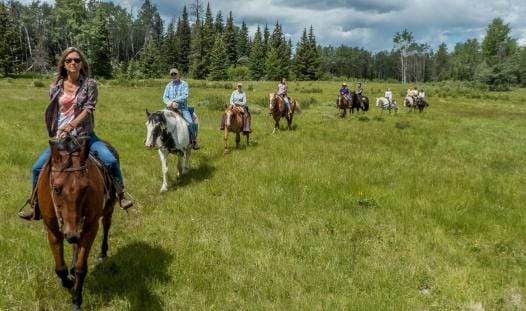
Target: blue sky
369,24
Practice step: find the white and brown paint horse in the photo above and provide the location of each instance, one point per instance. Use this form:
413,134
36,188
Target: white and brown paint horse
409,103
279,110
168,131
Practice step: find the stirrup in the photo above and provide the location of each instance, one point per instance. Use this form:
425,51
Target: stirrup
33,214
124,203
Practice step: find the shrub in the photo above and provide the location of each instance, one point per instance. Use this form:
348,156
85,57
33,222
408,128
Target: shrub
38,83
214,102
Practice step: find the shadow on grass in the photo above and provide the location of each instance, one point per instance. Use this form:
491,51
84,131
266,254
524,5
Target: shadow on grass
129,274
201,173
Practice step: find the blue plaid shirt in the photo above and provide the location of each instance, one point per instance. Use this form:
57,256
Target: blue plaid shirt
177,91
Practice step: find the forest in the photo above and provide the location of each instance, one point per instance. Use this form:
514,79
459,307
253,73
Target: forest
210,45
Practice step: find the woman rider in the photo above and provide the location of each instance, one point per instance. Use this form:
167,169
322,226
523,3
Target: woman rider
71,112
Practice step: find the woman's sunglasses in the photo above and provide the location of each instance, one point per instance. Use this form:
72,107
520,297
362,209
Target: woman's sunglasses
69,60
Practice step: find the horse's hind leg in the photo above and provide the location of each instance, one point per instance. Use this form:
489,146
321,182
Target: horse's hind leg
186,164
238,140
289,121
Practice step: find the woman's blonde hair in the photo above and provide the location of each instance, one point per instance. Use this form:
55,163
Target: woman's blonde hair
61,72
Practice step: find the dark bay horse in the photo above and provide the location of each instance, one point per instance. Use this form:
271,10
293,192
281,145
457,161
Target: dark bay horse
421,104
343,103
359,102
278,109
73,194
233,117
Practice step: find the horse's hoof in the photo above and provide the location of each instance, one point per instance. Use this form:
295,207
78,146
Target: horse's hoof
69,281
76,304
163,189
226,151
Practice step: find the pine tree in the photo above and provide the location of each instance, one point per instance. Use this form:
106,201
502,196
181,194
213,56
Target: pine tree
243,41
208,38
171,47
300,59
314,56
100,46
184,41
266,39
219,26
8,42
272,65
150,60
197,67
279,46
218,66
257,57
442,63
229,38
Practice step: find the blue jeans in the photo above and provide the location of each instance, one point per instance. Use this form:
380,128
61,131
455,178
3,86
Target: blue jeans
192,127
97,147
286,100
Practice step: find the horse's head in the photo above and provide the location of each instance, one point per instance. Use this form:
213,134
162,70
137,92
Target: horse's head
276,102
154,127
69,183
271,100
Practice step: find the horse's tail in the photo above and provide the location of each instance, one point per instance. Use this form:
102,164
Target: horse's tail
297,108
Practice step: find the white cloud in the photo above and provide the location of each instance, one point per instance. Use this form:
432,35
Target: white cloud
370,24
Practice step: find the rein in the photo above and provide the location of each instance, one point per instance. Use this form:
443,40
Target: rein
71,146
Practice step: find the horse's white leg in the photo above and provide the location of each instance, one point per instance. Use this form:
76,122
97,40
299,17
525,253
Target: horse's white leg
186,163
179,165
163,154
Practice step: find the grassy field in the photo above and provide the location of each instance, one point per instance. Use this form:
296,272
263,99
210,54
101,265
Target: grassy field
377,212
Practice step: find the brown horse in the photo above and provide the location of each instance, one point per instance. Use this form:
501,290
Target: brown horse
233,117
73,193
343,103
279,110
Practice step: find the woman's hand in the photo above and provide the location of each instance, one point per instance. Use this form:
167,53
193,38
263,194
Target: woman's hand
65,130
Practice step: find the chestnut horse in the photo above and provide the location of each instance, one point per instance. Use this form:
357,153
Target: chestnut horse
73,194
233,117
343,103
278,109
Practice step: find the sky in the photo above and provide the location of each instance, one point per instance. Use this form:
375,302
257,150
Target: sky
368,24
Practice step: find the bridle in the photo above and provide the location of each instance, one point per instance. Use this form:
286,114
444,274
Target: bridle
72,145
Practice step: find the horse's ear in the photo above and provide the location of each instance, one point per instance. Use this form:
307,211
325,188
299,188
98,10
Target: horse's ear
147,112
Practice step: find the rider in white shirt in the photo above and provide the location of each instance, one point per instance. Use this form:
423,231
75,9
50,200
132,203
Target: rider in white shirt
389,95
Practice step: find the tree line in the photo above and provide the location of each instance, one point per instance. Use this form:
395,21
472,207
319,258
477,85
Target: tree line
204,45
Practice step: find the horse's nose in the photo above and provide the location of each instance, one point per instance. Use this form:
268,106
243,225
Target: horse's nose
72,238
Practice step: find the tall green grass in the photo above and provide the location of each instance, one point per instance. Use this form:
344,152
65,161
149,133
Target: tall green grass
402,212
